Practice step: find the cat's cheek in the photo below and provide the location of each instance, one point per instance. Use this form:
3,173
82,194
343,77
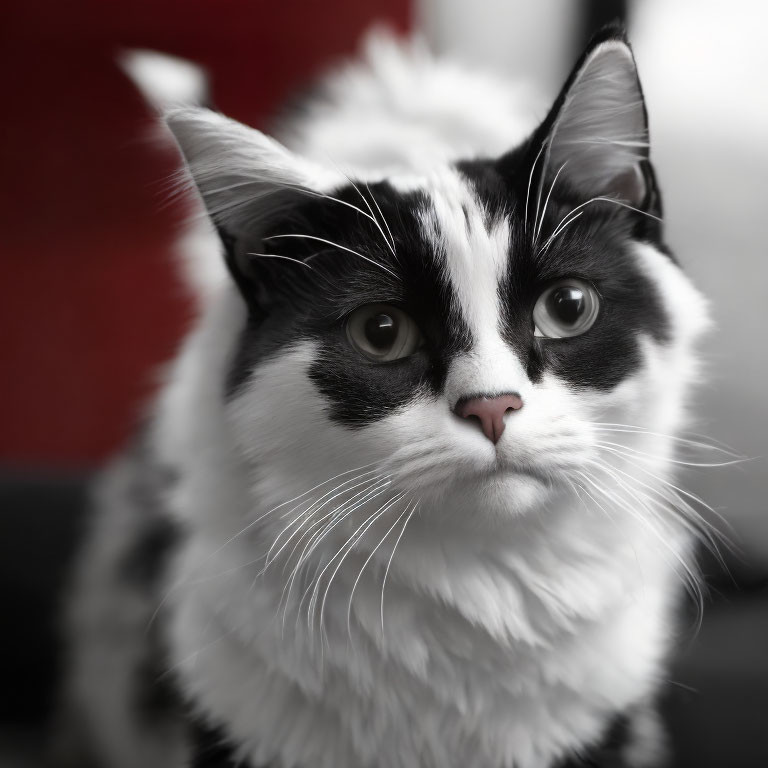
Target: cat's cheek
358,392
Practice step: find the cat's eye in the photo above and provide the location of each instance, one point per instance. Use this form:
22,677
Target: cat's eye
383,333
567,308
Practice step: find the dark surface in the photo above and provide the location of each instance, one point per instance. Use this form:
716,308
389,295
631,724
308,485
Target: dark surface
41,515
716,710
598,13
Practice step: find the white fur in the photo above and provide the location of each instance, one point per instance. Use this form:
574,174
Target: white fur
400,109
519,609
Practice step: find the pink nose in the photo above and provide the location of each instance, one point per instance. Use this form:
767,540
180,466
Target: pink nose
489,411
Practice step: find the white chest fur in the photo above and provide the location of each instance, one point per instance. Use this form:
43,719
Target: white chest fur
493,654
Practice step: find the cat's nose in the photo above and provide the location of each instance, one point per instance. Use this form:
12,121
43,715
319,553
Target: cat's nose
489,412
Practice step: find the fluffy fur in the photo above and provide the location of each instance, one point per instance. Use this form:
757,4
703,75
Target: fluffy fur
360,577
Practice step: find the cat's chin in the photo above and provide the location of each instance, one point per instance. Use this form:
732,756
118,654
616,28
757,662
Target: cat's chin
492,496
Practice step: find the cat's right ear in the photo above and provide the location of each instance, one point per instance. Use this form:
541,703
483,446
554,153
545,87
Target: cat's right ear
245,179
594,141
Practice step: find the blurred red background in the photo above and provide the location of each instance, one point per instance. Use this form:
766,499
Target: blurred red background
95,304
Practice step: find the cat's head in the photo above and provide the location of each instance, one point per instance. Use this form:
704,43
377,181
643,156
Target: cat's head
466,334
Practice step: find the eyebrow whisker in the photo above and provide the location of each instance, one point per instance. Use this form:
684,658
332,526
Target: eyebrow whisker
336,245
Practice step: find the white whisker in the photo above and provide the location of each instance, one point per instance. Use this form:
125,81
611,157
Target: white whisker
368,560
383,218
560,227
179,584
336,245
546,203
316,589
646,520
389,564
278,256
382,510
326,531
329,496
641,455
314,539
567,218
528,192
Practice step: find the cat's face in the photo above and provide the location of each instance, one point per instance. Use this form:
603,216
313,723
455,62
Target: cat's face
365,361
461,336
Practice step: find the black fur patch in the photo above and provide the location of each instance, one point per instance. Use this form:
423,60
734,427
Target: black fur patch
144,561
313,304
211,749
607,754
595,248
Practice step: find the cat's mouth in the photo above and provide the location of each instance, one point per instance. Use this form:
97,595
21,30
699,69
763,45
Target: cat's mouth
501,476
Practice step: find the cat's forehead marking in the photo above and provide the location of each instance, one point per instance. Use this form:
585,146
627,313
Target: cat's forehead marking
474,250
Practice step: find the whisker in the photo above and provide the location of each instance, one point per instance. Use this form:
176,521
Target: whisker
546,203
666,460
373,218
530,180
371,520
313,539
278,256
368,560
369,216
676,501
540,185
326,531
389,564
179,584
691,581
284,504
383,218
560,227
336,245
333,494
712,445
600,198
316,588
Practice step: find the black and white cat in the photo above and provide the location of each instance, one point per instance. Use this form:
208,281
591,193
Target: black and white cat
405,500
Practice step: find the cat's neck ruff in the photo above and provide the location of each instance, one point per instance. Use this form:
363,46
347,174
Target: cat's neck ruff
529,644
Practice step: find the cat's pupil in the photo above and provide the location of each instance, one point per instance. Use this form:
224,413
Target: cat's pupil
567,304
381,331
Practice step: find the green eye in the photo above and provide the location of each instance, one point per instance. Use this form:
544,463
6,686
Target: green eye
568,308
383,333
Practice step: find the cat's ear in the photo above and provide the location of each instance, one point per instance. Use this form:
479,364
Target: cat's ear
596,134
245,179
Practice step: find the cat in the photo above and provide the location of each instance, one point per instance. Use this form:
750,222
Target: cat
405,499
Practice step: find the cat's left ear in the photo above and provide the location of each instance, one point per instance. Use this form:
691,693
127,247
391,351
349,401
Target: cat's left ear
246,181
596,134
